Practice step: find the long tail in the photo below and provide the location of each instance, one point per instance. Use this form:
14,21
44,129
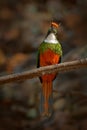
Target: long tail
46,98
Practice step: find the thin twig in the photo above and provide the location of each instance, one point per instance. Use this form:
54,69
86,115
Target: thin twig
63,67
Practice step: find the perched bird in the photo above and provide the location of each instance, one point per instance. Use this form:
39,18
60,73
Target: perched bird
49,53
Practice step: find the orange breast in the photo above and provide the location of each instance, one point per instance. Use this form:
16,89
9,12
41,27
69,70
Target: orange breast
49,58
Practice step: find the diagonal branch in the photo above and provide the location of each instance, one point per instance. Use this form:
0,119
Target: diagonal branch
63,67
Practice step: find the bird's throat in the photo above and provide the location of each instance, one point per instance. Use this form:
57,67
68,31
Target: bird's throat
51,38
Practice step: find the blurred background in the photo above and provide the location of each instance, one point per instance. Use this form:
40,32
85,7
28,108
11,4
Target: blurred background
23,26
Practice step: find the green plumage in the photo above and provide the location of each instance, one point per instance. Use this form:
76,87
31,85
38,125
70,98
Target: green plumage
54,47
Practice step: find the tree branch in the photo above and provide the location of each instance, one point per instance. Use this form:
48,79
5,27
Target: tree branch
63,67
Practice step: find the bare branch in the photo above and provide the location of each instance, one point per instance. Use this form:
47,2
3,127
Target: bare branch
63,67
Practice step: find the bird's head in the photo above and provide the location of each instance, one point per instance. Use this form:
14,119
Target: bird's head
53,28
52,33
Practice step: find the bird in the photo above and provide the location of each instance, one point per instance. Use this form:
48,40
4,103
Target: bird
49,53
